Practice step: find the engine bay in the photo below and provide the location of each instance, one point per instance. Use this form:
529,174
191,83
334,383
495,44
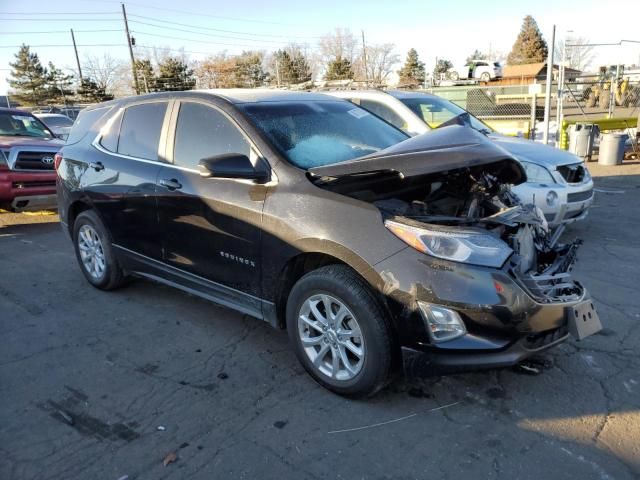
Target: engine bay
477,198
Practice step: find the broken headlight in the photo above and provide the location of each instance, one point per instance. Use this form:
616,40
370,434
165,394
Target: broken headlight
455,244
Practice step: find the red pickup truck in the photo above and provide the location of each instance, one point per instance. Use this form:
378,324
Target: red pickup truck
27,157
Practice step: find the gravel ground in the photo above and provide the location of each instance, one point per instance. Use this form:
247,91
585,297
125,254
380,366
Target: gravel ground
106,385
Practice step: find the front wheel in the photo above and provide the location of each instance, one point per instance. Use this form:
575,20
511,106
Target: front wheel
339,331
485,77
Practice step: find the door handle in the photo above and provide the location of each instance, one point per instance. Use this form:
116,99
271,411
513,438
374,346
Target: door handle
171,184
97,166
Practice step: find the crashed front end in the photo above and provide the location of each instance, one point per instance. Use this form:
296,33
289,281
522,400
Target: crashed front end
484,282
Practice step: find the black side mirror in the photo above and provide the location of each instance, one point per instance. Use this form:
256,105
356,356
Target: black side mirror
231,165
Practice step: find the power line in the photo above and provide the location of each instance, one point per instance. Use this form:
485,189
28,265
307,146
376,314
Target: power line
138,32
211,28
61,19
68,45
198,14
60,31
58,13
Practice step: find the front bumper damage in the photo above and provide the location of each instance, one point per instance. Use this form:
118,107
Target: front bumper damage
509,316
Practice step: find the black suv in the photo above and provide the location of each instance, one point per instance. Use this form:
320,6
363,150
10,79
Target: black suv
319,217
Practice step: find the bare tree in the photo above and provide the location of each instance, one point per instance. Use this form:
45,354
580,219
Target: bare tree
340,44
380,62
579,54
108,73
218,71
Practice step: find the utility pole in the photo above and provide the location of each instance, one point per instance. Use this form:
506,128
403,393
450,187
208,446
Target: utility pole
133,60
547,98
75,49
364,57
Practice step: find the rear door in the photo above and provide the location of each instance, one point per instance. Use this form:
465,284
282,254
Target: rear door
212,227
120,179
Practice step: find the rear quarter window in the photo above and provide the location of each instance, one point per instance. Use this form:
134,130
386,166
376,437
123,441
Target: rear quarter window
140,130
85,122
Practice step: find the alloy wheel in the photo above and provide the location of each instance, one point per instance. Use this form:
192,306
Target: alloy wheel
91,252
331,337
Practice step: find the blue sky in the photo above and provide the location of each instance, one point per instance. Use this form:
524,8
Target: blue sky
451,29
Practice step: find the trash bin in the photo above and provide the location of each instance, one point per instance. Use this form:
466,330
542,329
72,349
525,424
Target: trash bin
582,138
612,148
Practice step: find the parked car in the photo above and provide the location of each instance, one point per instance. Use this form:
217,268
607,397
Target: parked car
558,182
481,70
315,215
27,150
59,124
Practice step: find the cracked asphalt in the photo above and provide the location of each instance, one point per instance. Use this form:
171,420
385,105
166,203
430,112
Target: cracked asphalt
105,385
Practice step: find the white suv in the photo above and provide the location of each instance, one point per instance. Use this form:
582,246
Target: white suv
558,181
480,70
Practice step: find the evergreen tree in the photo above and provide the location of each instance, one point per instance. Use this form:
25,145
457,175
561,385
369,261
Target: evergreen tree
412,72
174,75
28,78
58,85
146,76
529,47
290,67
249,71
90,92
339,69
442,66
477,55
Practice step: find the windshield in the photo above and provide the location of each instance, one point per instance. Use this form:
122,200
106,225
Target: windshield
436,111
57,121
23,125
316,133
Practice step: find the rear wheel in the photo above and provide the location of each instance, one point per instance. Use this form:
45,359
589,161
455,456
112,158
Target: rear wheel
339,331
485,77
95,253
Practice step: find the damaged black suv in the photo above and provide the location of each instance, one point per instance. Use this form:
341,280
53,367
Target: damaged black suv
306,211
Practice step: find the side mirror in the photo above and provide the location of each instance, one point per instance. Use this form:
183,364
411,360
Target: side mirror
231,165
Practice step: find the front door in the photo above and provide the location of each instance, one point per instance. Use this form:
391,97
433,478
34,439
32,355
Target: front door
212,227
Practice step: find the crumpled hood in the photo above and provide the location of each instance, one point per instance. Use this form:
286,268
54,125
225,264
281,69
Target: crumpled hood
9,141
440,150
529,151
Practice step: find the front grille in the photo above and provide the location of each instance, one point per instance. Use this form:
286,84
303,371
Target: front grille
539,340
41,184
572,173
34,161
579,196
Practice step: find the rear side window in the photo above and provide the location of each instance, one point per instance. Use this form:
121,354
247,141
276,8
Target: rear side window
140,130
109,138
203,132
86,119
384,112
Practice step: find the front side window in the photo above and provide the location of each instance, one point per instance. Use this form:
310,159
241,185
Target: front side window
140,130
316,133
22,125
384,112
435,111
203,131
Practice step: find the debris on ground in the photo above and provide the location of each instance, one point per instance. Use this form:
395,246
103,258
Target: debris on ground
170,458
223,376
161,428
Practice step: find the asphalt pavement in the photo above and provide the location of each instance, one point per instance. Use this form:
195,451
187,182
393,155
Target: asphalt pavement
115,385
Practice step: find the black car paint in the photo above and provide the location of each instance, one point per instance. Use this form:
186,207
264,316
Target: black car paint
200,236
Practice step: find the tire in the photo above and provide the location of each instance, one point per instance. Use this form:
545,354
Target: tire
89,228
485,77
453,75
339,286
